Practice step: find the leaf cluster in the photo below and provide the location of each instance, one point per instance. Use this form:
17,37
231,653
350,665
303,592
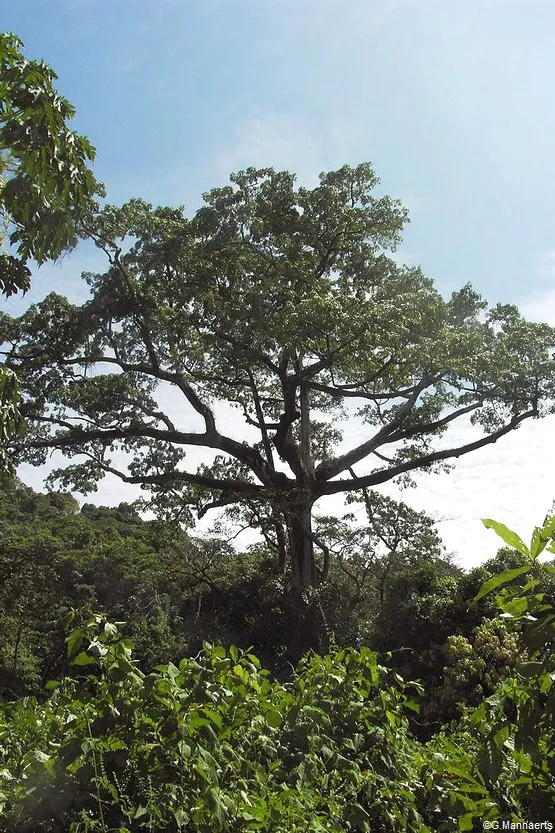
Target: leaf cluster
45,179
210,744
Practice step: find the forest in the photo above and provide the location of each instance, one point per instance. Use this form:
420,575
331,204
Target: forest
337,675
153,680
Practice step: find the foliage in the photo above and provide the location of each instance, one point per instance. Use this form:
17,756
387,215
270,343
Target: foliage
53,559
175,590
45,185
11,422
280,302
418,609
509,739
472,668
45,180
212,744
527,701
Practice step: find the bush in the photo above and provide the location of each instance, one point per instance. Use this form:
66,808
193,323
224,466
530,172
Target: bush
210,745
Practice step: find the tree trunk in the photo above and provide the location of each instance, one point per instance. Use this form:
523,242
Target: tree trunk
301,547
282,545
16,648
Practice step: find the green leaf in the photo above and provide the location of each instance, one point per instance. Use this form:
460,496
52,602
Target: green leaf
357,816
503,578
74,642
195,721
185,750
83,659
539,542
181,817
530,669
37,755
510,537
214,803
466,821
273,718
214,716
490,761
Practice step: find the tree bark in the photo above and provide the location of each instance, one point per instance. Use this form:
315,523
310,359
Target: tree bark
301,547
281,545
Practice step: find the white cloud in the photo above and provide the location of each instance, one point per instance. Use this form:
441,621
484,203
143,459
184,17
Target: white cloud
265,139
540,307
512,481
546,268
285,141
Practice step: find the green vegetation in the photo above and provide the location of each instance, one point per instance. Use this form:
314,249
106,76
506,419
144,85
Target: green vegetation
45,180
176,591
334,677
132,740
46,189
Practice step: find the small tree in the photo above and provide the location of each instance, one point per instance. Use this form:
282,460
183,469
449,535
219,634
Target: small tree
283,302
45,184
45,180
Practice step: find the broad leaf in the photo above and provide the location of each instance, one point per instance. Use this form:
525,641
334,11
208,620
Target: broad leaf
497,581
510,537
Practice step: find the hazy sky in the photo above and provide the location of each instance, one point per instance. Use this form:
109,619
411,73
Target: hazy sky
452,102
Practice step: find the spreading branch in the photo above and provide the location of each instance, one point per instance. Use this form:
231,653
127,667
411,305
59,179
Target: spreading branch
422,462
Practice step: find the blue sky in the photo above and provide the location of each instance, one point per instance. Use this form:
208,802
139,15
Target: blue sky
452,103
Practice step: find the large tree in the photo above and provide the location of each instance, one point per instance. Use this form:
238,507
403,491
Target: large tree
283,302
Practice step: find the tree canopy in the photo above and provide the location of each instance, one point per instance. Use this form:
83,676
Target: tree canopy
284,302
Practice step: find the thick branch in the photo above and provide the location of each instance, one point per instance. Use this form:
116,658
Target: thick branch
225,500
240,488
331,468
326,551
336,486
263,428
305,432
158,373
76,436
282,438
355,391
430,427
